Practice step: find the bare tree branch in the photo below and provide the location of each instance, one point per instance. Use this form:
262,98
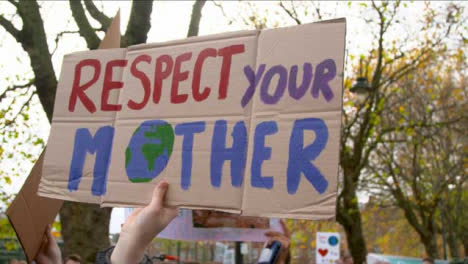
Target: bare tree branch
59,35
34,41
290,13
8,26
221,8
14,88
13,3
86,31
195,19
97,14
317,10
139,23
13,120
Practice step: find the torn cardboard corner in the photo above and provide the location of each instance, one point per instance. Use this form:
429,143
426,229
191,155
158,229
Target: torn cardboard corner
29,214
243,122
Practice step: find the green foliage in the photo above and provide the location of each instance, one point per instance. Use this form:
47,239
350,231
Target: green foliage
7,234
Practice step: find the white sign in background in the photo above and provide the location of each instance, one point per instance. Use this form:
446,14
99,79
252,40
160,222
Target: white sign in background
327,249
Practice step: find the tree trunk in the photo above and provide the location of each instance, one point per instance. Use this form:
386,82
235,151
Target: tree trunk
34,41
356,242
139,23
85,229
349,217
465,244
452,243
195,19
347,211
430,246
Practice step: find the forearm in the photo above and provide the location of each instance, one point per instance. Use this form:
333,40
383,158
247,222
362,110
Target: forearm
127,251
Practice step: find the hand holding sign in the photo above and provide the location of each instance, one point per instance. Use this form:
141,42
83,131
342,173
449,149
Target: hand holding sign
49,253
142,226
285,240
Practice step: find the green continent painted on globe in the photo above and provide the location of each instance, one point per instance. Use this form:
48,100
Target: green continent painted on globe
149,150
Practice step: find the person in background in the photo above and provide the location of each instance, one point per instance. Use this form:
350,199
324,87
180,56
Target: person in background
285,240
73,259
428,261
348,259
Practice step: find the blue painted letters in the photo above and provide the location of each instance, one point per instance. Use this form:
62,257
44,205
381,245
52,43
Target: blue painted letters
324,73
300,157
236,154
101,145
188,130
261,153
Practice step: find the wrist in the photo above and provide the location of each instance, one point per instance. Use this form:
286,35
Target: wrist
127,251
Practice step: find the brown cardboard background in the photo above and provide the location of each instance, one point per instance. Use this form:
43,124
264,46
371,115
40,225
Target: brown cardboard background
29,214
307,44
128,120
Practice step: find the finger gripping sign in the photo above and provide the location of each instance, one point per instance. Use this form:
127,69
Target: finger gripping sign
245,122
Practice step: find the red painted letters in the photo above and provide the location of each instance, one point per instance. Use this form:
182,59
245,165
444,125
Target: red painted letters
227,53
164,66
197,75
78,90
177,77
160,75
110,84
145,82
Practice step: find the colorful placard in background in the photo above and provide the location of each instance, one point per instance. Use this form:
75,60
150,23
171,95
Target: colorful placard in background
327,249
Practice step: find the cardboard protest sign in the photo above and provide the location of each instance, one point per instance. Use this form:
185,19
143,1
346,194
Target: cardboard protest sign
245,122
328,248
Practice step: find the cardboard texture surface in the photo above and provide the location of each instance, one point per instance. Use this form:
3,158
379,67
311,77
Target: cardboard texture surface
245,122
29,214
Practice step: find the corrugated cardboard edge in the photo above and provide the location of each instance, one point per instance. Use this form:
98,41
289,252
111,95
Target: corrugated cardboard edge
197,39
340,20
29,213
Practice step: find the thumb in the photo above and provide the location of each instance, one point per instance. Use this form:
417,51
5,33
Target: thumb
49,233
285,228
158,195
171,213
